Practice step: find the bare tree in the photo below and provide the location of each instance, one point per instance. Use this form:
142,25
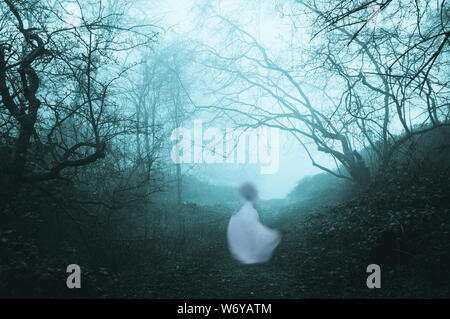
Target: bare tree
428,39
279,99
58,68
379,61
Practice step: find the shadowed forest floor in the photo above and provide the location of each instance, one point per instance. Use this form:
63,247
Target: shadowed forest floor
404,226
325,252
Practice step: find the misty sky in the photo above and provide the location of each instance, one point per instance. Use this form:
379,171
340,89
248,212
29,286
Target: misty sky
262,20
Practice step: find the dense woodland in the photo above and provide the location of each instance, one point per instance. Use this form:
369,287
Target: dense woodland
90,92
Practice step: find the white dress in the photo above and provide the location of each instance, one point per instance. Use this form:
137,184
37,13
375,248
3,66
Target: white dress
250,241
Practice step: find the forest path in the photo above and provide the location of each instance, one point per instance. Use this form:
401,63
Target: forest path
208,270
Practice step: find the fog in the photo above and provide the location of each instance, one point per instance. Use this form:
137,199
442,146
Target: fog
155,149
265,21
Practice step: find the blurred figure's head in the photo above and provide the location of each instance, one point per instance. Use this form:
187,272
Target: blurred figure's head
248,192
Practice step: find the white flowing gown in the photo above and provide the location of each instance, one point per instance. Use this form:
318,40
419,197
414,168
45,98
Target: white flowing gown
250,241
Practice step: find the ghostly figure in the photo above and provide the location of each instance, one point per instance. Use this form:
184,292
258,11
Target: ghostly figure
250,241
